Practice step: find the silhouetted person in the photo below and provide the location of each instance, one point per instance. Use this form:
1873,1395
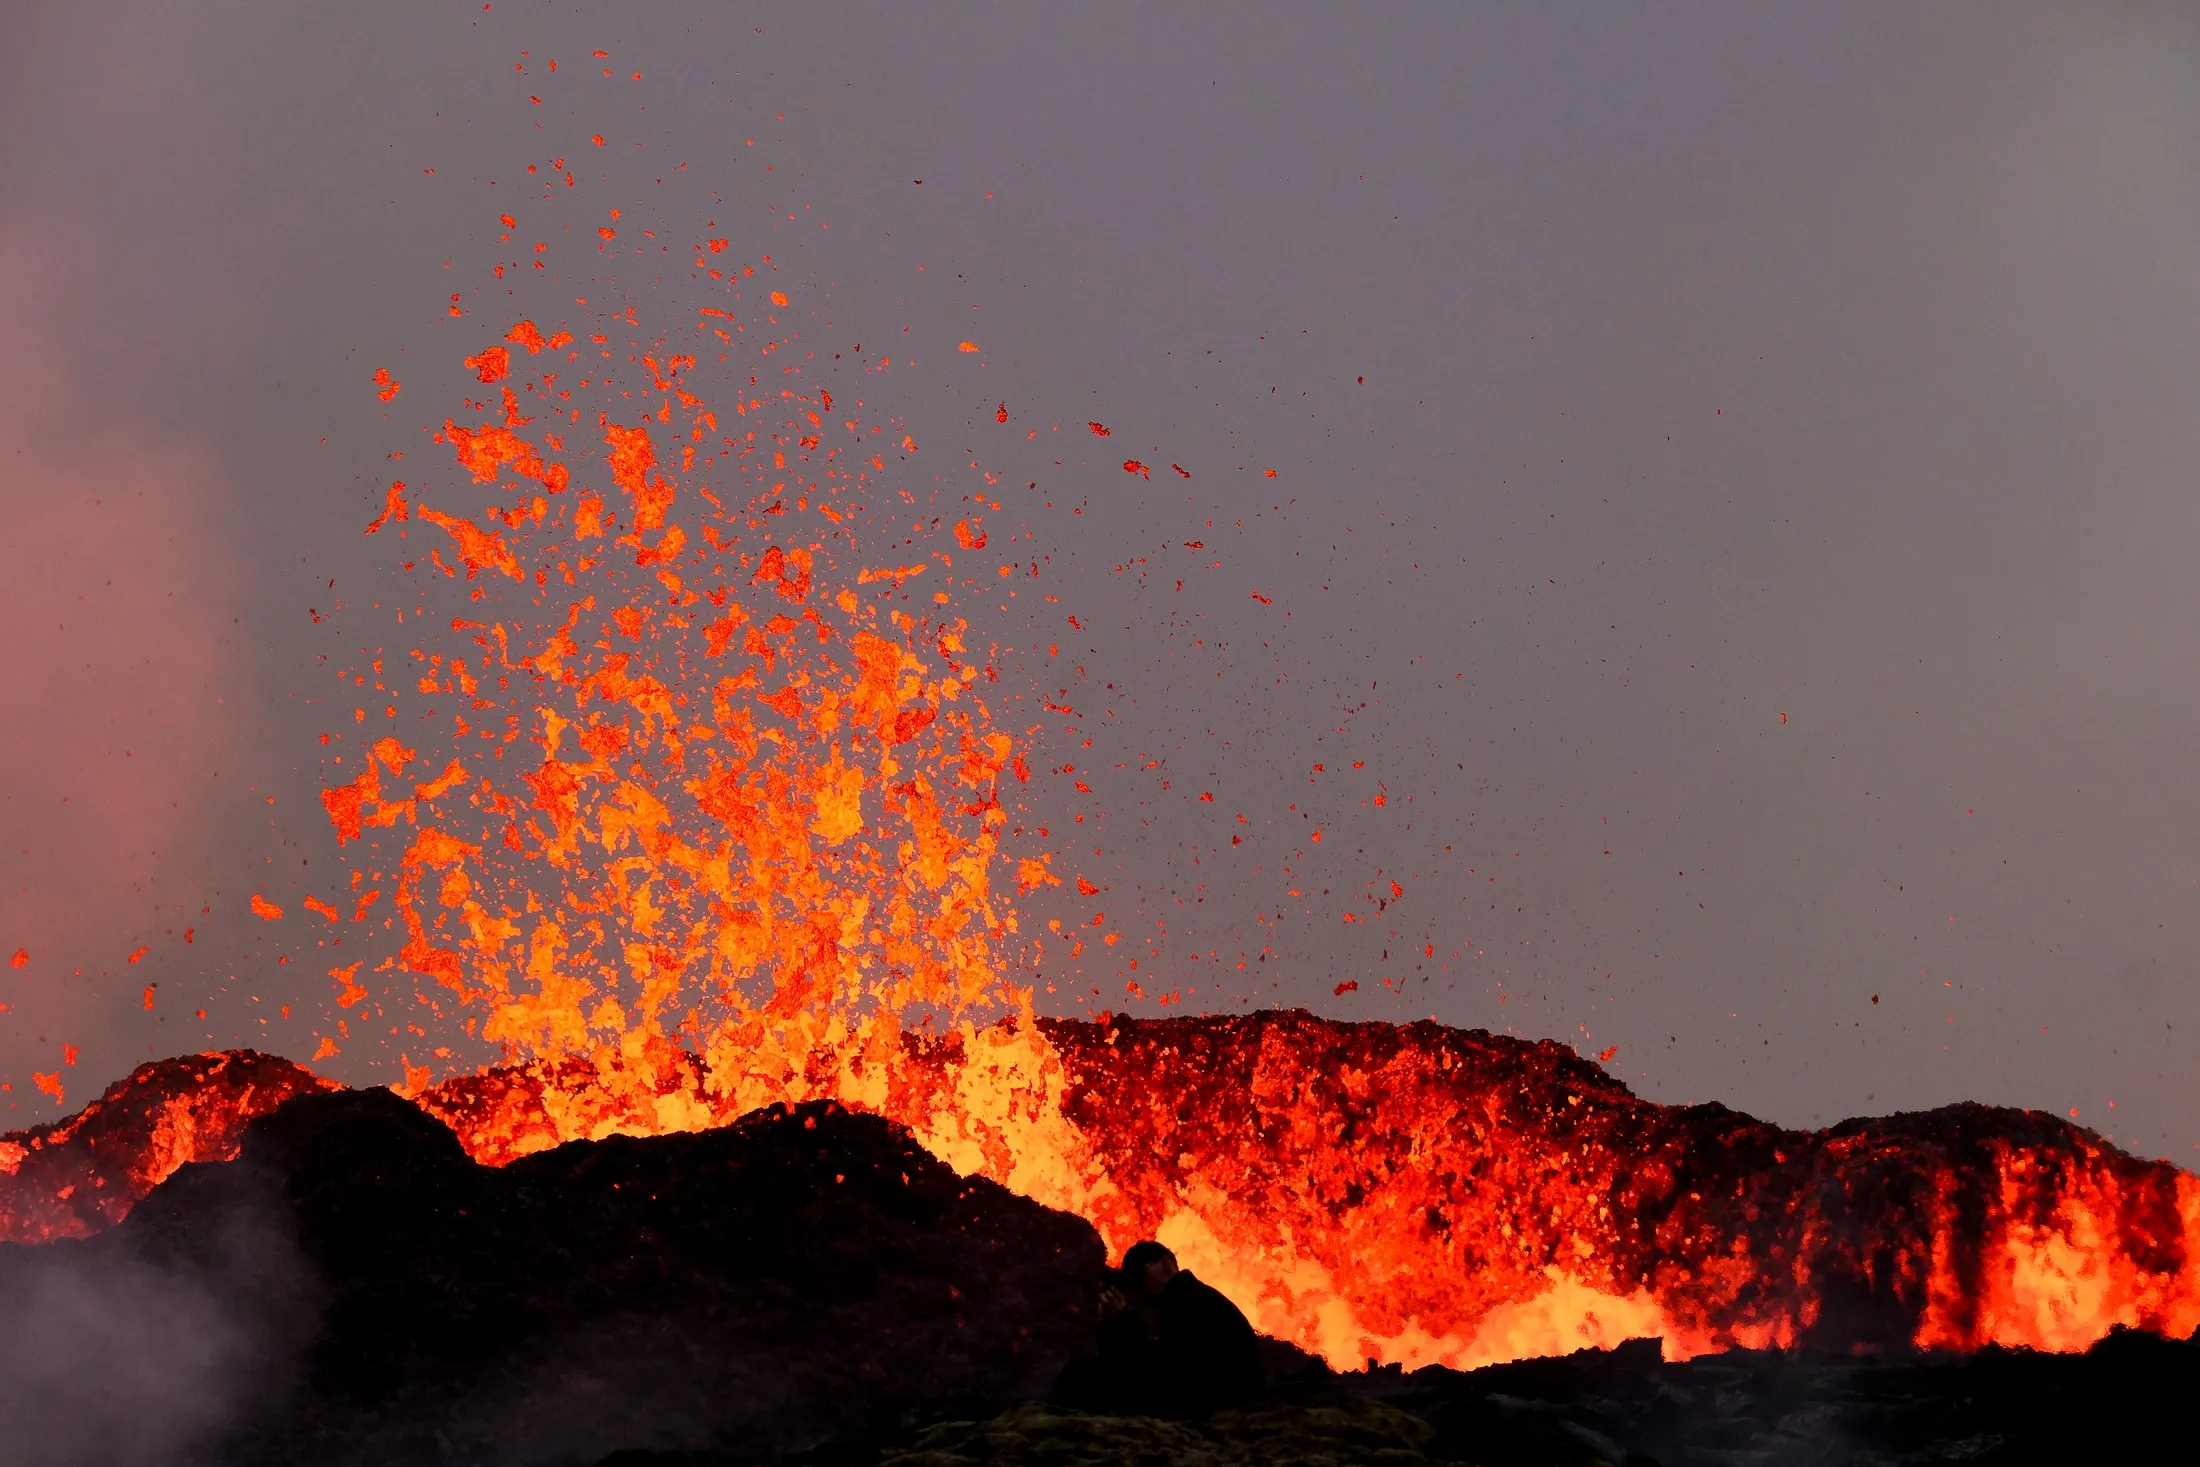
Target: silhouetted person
1168,1345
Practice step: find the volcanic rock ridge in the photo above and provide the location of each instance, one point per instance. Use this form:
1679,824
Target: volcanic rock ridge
1423,1187
809,1285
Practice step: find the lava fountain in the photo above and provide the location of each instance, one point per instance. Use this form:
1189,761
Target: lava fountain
716,824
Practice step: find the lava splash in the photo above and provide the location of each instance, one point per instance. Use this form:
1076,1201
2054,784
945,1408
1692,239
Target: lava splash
761,813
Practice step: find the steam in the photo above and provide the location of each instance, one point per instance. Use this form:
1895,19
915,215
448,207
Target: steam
115,602
110,1365
116,1352
101,1365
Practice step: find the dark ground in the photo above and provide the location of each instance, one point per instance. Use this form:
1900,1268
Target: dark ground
2126,1401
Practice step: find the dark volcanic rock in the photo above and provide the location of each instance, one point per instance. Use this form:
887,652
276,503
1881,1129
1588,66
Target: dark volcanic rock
804,1275
2127,1399
1341,1433
2124,1401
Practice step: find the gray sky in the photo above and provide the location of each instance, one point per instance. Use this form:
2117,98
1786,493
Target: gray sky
1733,498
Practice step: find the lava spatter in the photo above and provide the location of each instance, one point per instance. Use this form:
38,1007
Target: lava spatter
751,840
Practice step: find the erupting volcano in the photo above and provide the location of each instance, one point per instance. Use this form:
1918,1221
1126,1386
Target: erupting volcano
716,822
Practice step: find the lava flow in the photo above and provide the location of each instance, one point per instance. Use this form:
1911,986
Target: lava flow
717,827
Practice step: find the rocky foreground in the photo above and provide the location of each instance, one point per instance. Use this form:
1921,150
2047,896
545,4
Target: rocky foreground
1627,1407
810,1285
